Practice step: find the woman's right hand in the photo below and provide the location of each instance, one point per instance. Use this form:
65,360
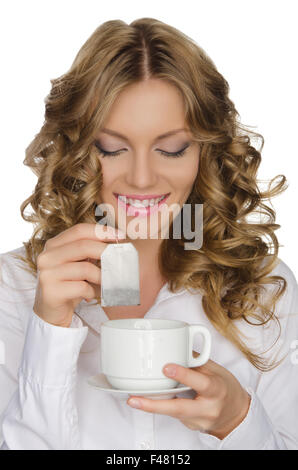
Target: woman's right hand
64,275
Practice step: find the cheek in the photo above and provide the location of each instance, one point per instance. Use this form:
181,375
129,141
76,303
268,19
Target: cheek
110,172
113,164
186,175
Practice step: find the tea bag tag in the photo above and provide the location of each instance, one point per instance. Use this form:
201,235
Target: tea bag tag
120,281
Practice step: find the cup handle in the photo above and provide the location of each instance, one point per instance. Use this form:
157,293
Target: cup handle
205,354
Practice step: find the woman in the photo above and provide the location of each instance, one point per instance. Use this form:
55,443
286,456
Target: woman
130,84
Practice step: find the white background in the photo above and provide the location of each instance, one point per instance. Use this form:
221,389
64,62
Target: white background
253,44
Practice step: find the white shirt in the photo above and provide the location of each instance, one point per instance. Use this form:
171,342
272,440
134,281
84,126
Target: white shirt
45,402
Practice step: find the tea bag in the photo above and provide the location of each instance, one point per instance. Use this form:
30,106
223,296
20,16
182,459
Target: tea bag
120,281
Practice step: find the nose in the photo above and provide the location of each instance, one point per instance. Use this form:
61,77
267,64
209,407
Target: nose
141,171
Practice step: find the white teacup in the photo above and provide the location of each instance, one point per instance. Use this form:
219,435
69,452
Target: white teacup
134,351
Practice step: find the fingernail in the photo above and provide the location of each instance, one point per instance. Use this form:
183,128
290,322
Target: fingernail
134,403
170,370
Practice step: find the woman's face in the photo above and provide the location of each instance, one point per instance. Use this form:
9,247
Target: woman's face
142,168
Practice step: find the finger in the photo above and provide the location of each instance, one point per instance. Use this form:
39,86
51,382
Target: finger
210,368
71,290
175,407
203,384
82,271
74,251
82,231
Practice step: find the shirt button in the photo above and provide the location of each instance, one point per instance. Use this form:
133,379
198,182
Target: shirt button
145,445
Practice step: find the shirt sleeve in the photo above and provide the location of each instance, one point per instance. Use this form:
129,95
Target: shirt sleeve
41,412
271,421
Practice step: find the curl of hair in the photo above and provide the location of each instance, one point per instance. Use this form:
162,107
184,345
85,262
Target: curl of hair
232,266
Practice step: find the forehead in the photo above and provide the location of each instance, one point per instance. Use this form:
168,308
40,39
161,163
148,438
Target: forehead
151,108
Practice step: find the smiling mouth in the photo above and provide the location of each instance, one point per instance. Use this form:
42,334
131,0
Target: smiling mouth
141,203
138,207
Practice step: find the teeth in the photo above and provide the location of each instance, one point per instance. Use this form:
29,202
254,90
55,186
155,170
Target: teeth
139,203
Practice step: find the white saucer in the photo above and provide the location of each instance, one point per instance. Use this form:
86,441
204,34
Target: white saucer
100,382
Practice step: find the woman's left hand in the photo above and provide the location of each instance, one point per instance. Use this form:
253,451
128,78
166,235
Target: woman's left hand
220,405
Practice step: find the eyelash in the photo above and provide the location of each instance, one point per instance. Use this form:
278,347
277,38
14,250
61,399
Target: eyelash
104,153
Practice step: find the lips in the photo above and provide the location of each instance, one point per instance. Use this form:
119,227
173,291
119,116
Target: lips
140,211
141,197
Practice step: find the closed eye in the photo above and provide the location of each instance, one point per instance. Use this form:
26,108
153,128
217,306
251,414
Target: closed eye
116,153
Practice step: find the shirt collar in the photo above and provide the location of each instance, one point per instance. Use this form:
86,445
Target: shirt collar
94,315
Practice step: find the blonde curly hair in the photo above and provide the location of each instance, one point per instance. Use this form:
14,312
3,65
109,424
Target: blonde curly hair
231,267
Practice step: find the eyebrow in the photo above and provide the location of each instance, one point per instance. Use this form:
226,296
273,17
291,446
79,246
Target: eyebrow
162,136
